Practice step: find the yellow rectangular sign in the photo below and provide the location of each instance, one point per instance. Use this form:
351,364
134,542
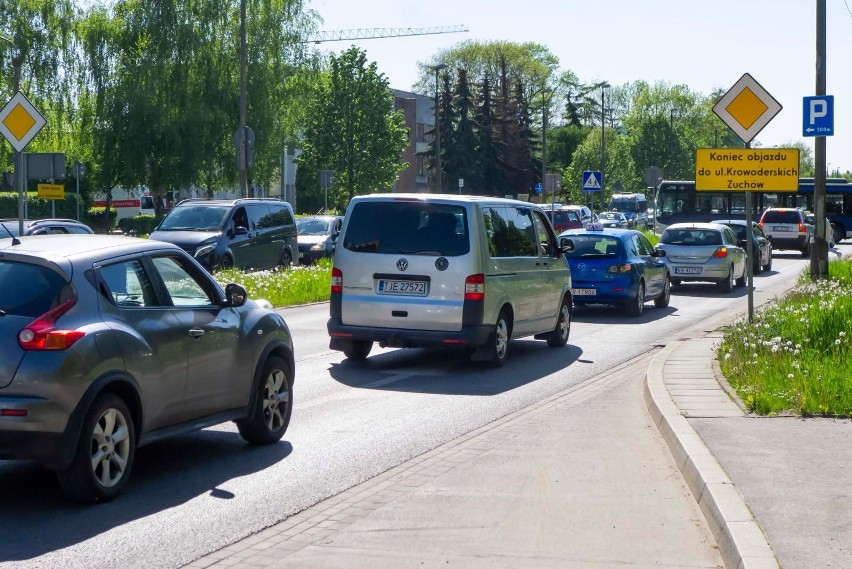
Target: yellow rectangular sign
747,169
51,191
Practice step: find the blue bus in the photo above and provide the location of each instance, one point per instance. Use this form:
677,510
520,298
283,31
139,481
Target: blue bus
677,201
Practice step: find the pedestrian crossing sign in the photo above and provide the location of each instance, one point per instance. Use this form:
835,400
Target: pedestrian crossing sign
592,181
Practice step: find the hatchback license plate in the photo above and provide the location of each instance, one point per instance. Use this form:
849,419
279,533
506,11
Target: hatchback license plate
584,291
406,288
687,270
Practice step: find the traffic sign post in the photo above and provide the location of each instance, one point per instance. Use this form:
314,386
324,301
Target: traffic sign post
592,182
746,108
19,123
818,116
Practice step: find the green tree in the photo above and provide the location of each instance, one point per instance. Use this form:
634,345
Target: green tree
490,176
354,130
462,161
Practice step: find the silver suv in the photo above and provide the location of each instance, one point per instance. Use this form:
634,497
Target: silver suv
786,229
108,343
414,270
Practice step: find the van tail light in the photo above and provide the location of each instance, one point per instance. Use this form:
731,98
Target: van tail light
802,228
41,334
720,253
625,268
336,281
474,287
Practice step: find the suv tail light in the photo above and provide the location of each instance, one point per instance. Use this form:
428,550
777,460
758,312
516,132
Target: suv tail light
760,224
802,228
474,287
336,281
720,253
40,334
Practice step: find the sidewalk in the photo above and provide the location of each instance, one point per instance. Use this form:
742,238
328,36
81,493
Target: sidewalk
587,481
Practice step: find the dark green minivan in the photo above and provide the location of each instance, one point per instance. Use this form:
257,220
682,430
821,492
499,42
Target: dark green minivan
249,233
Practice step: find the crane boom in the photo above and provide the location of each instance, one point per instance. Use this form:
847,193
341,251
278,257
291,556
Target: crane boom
374,33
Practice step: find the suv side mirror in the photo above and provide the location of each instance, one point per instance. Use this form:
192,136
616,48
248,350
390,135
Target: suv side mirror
235,295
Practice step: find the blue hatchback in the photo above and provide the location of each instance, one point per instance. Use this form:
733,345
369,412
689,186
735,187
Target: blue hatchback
616,266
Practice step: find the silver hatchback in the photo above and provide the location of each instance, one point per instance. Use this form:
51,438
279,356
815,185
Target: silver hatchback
108,343
704,252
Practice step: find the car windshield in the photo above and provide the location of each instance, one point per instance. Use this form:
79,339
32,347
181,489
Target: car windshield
691,236
589,246
610,215
313,226
195,218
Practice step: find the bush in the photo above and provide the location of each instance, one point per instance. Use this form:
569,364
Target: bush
96,219
140,225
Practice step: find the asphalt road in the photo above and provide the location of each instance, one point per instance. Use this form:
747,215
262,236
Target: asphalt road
197,493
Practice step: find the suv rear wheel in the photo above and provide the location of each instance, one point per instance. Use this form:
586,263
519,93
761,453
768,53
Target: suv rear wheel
358,350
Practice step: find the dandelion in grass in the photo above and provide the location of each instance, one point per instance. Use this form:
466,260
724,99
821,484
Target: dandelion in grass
789,376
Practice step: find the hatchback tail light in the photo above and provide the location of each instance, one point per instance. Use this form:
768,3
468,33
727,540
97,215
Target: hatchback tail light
474,287
336,281
625,268
41,334
721,253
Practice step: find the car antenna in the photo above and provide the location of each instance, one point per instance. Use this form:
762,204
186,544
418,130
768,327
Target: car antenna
15,240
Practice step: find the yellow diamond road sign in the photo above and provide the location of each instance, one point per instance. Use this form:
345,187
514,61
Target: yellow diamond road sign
20,121
747,108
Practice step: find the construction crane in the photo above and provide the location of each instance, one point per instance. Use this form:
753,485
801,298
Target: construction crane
375,33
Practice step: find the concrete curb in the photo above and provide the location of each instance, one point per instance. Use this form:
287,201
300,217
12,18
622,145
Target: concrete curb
741,541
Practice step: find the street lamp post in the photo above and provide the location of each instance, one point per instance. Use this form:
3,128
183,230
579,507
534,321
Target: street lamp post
545,105
18,156
438,170
604,86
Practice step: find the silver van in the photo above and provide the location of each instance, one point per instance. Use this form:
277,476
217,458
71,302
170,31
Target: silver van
416,270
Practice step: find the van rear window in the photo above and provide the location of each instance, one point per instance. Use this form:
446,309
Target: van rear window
407,227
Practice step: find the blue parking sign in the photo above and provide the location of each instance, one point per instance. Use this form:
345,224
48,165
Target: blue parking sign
592,181
818,116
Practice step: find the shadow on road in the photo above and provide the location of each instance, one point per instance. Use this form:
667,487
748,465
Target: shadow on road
40,520
448,372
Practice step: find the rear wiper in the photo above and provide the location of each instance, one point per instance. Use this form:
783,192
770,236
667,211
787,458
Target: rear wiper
2,312
15,240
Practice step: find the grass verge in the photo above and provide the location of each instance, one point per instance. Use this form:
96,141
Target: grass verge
284,286
795,356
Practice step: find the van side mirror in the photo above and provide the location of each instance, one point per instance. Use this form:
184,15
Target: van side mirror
238,230
566,245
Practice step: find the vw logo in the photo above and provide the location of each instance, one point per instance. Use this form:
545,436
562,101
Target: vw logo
402,264
441,263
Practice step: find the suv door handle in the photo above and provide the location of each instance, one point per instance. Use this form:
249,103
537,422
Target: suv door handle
196,332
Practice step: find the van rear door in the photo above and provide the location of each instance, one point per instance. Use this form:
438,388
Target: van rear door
404,263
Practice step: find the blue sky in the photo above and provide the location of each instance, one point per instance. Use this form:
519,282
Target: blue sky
704,45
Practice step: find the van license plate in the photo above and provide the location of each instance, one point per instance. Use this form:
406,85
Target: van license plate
687,270
406,288
584,291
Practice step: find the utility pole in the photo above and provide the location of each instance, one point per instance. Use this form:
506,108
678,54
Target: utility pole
819,250
242,146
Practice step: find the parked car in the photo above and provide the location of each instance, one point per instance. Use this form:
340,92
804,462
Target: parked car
44,227
761,246
613,219
786,229
561,218
616,266
586,215
257,233
704,252
317,236
467,272
830,230
108,343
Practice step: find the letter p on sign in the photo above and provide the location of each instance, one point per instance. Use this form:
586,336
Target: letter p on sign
818,116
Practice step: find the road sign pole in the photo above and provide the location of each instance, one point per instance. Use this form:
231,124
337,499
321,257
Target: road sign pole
749,254
19,182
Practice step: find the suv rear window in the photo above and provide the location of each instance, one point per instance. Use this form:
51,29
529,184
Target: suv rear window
30,290
782,216
407,227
